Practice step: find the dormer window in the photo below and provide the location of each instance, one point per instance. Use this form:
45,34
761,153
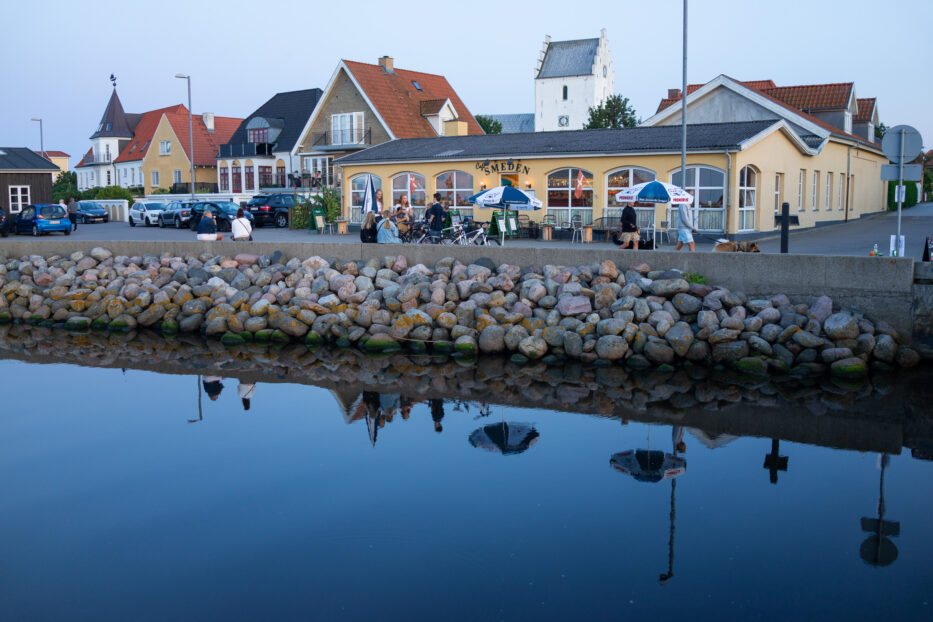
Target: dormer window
260,135
109,125
262,131
417,86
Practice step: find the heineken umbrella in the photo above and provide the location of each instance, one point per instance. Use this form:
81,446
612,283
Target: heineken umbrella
655,192
648,465
369,196
505,197
505,438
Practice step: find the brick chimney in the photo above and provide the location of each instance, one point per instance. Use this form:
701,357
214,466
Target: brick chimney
673,93
387,64
208,118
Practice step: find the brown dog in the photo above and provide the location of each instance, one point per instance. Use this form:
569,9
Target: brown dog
727,246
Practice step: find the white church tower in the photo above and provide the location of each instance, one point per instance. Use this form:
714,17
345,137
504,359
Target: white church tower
571,76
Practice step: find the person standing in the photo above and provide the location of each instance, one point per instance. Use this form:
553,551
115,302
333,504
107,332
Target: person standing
73,213
241,228
685,227
403,217
629,227
436,214
379,200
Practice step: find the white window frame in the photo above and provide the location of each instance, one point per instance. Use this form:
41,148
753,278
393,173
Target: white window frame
748,198
842,190
176,176
829,191
350,128
800,185
701,213
16,206
778,178
165,147
586,213
645,215
155,179
815,193
396,193
357,186
460,186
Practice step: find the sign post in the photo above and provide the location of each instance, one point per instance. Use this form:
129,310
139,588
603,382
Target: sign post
901,144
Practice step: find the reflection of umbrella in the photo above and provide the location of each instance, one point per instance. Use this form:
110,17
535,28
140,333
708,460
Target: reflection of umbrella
648,465
654,192
506,438
505,197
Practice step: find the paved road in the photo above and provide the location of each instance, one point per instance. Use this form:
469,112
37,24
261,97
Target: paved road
853,238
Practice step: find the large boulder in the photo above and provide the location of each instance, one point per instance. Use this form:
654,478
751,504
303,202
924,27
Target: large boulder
840,326
573,305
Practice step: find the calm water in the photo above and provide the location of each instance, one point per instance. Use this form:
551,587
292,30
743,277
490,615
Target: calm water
120,502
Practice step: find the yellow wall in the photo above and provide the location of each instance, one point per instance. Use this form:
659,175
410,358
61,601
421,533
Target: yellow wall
61,163
168,164
774,154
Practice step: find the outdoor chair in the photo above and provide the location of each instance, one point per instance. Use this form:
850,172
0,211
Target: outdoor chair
524,225
576,228
666,230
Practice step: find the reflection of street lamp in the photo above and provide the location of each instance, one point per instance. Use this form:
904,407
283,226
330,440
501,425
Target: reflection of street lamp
185,76
775,462
41,138
877,549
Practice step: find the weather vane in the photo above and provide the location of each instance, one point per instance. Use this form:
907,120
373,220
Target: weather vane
113,79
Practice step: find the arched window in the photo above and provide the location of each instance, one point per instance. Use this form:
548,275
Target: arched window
569,192
748,195
357,188
565,92
411,184
456,187
708,187
626,178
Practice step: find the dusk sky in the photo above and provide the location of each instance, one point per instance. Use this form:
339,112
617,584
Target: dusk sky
58,57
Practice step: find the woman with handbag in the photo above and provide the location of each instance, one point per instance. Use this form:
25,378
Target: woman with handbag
241,229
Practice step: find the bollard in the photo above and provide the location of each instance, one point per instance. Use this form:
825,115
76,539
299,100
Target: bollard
785,226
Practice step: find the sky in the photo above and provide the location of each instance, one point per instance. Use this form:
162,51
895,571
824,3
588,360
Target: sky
55,64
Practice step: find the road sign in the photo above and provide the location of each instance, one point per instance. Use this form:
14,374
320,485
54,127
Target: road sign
912,172
892,146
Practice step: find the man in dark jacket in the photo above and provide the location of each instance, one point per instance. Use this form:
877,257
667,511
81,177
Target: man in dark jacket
629,227
73,212
436,214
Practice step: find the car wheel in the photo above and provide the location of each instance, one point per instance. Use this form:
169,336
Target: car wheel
161,223
132,223
281,221
68,231
146,222
177,222
35,231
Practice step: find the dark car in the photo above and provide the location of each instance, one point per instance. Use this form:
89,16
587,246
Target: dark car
6,224
43,218
176,213
271,209
224,213
88,211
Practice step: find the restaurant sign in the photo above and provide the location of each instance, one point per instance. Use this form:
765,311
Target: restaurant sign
502,166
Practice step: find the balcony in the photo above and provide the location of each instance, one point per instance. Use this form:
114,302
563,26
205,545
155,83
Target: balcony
358,138
200,187
245,150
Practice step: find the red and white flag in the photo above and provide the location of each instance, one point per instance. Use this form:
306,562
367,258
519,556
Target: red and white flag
413,185
578,190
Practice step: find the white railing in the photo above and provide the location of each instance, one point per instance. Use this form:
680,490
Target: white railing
118,209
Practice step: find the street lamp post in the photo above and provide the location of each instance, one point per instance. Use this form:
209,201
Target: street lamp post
41,138
185,76
683,114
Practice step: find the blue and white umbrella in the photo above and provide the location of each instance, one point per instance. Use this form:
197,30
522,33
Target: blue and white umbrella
369,196
655,192
505,197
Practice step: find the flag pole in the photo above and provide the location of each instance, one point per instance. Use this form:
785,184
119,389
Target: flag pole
683,110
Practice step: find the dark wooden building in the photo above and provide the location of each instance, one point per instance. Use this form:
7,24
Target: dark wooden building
25,177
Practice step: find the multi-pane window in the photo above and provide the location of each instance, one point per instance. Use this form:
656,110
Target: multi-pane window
346,128
748,190
280,176
250,180
414,186
456,187
19,198
259,135
815,194
842,190
626,178
224,179
176,176
570,193
237,178
708,187
777,192
155,179
108,178
357,190
829,191
800,183
165,147
266,180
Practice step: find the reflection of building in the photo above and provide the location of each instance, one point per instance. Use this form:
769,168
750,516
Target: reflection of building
365,105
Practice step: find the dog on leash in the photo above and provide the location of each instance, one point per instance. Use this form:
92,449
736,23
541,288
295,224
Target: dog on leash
728,246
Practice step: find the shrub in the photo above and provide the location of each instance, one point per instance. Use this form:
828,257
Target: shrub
115,192
299,216
910,195
693,277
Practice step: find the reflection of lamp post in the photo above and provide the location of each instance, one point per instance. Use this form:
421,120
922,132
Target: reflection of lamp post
41,138
774,462
877,549
185,76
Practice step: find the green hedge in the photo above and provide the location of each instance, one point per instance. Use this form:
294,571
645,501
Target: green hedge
910,195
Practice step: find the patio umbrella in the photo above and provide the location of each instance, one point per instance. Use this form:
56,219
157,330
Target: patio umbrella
648,465
505,438
505,197
655,192
369,196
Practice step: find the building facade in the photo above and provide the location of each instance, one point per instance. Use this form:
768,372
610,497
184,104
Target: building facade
25,178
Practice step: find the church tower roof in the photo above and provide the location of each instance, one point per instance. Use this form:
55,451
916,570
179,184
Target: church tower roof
115,123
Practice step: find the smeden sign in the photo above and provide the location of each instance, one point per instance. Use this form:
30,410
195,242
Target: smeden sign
502,166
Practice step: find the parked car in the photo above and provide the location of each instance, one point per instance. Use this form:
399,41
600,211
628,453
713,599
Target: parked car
43,218
6,224
176,213
146,212
88,212
271,209
224,213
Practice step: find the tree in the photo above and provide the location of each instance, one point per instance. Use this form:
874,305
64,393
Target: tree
65,186
489,125
880,129
615,112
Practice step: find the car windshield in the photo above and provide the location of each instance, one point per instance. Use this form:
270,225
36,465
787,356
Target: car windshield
87,205
258,200
155,206
51,211
227,208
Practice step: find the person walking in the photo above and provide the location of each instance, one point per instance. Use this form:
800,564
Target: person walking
240,228
368,229
73,213
388,231
630,231
436,214
685,227
207,228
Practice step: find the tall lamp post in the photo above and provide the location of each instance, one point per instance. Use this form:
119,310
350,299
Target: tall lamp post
185,76
683,112
41,138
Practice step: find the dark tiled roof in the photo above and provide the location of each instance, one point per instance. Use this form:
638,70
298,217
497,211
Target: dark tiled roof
294,108
569,58
515,123
700,137
23,159
114,122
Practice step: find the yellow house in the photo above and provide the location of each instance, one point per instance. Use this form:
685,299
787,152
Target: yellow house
59,159
167,164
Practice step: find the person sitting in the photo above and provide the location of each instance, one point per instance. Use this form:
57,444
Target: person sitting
241,229
368,229
388,231
207,228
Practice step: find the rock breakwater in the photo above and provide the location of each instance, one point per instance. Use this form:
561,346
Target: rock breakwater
603,314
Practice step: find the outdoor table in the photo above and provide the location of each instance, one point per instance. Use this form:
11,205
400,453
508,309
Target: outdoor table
547,231
587,234
342,227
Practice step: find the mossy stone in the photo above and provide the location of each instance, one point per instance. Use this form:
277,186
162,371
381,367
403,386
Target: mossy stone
666,368
519,359
169,327
231,339
279,337
752,365
101,323
637,361
442,347
343,342
5,318
313,340
262,336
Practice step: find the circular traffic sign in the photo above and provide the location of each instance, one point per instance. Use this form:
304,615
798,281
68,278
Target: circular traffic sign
891,144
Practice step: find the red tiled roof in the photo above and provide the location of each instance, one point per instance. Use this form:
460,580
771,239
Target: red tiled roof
432,106
206,144
810,97
398,101
137,147
86,158
56,154
866,108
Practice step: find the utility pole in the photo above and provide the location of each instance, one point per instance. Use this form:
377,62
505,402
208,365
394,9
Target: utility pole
184,76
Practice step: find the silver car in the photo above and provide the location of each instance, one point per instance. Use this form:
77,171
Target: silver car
146,212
